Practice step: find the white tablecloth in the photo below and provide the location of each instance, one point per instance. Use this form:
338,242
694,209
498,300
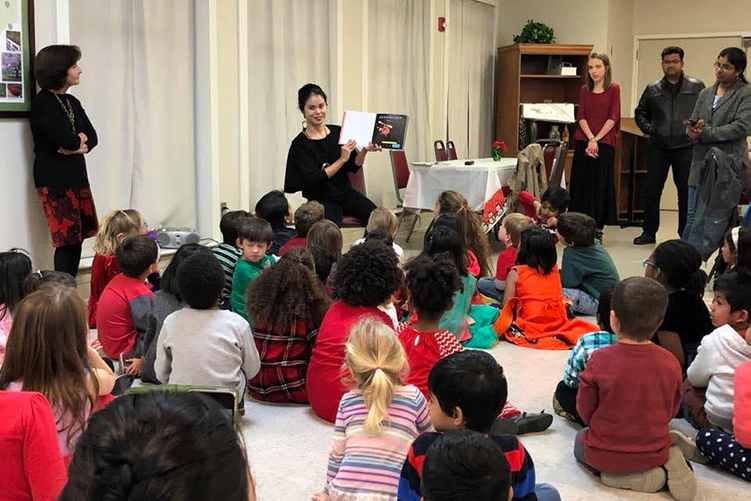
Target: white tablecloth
477,182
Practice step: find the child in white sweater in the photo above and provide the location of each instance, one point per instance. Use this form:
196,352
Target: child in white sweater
720,353
203,345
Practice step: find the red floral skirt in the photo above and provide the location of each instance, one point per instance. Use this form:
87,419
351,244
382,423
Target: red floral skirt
70,213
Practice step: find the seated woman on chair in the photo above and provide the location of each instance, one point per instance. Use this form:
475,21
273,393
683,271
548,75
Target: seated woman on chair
318,165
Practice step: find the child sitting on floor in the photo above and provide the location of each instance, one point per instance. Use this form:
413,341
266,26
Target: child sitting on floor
587,268
15,267
469,226
510,234
116,226
367,277
536,285
167,301
736,249
377,421
732,452
254,237
466,465
48,353
202,345
628,393
383,219
431,283
564,399
676,264
306,216
555,201
125,304
325,244
286,304
274,208
468,390
40,277
719,354
228,252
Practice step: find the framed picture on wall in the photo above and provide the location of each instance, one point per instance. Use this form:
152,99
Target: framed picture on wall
17,85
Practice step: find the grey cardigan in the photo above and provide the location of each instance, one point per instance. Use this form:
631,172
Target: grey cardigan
725,126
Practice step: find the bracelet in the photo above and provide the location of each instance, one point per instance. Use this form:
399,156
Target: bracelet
593,139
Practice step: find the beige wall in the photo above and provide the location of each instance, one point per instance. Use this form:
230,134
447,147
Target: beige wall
690,16
621,49
228,102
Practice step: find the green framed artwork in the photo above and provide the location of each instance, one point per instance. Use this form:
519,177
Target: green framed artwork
17,85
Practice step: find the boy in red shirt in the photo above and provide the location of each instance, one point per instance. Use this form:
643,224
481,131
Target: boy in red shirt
126,302
555,201
306,216
628,393
510,233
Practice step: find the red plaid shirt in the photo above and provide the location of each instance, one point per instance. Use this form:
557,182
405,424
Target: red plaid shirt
284,363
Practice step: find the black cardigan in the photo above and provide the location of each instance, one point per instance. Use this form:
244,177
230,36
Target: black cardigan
305,167
51,130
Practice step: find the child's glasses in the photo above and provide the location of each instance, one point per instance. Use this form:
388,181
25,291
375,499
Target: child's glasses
647,262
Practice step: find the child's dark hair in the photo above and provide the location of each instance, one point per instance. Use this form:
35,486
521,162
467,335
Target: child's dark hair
680,266
323,262
38,278
230,224
381,235
306,216
603,309
473,381
444,239
432,282
577,228
557,198
537,250
273,207
465,465
287,292
743,249
136,254
473,237
169,278
159,445
368,274
308,90
640,304
14,268
255,229
200,280
736,287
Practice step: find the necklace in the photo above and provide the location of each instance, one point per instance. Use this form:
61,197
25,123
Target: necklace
68,110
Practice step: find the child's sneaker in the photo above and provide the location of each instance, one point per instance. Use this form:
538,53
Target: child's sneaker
522,424
644,481
560,411
681,480
688,447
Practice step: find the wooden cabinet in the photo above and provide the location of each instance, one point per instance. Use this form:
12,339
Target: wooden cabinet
630,173
521,78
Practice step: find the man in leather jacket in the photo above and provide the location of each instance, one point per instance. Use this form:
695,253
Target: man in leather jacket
662,110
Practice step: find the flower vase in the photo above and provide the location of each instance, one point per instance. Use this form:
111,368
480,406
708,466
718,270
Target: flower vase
496,153
555,132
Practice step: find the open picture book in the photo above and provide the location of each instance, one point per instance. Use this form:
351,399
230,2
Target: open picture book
386,130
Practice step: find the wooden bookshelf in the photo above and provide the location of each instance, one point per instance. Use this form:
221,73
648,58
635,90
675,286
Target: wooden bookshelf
521,78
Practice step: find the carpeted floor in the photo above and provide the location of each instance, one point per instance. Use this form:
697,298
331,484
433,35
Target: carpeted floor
288,445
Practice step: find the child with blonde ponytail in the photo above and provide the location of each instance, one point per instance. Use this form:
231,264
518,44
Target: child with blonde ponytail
377,421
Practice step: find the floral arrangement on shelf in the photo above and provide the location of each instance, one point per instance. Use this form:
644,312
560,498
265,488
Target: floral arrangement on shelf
499,148
534,32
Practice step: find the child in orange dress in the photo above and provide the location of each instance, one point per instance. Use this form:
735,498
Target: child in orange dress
535,284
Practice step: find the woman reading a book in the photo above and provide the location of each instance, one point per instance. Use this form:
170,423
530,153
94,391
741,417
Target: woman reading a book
318,165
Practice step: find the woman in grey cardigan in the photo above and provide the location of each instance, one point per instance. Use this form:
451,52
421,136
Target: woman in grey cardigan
721,118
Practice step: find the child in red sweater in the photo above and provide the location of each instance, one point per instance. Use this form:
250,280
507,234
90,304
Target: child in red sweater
628,393
115,227
510,233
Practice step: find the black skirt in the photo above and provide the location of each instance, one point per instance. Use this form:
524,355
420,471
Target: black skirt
592,189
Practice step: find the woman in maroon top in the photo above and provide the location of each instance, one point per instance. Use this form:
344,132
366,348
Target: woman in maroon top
599,120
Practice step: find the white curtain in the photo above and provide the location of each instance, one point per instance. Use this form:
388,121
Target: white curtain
138,90
289,46
471,67
398,82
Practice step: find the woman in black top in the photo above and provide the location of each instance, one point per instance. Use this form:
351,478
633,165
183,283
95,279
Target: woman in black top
318,165
62,135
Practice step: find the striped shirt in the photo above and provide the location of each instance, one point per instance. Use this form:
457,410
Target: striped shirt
585,346
368,467
227,256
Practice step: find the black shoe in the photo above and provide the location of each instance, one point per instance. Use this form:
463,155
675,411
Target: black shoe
644,239
528,422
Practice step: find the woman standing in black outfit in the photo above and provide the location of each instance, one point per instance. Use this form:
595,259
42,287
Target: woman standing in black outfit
62,135
318,165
